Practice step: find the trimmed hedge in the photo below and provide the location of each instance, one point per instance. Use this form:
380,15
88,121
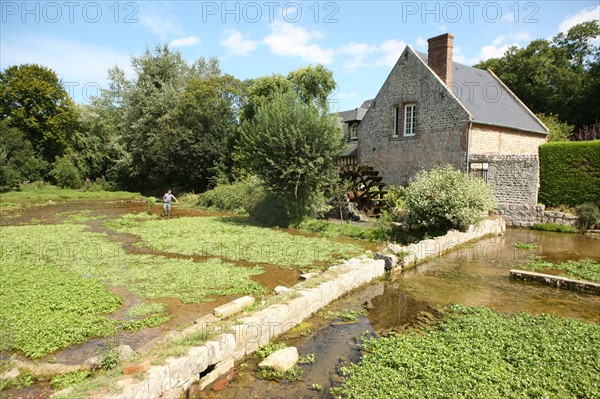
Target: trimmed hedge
570,173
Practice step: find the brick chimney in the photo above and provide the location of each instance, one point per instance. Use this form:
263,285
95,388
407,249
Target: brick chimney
439,56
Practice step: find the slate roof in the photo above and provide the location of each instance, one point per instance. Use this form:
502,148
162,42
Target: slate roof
488,100
356,114
351,149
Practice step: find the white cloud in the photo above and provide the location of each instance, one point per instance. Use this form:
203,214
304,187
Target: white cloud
359,53
502,43
295,41
185,41
586,14
392,49
421,43
367,55
159,23
237,44
458,56
82,67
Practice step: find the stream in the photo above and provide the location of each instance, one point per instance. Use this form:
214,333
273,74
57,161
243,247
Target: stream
473,275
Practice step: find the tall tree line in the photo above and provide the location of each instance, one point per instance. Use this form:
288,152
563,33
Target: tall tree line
559,78
172,123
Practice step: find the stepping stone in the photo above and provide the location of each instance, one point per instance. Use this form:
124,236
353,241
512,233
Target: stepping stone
281,360
233,307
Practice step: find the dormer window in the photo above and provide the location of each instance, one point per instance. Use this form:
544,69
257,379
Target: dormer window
352,129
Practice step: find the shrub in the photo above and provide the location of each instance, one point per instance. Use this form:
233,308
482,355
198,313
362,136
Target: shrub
99,184
65,173
559,130
233,197
247,196
396,197
589,215
268,208
292,146
570,173
447,198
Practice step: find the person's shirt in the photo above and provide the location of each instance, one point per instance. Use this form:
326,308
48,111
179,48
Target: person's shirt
168,197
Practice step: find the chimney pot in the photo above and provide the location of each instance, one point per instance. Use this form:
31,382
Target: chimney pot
439,56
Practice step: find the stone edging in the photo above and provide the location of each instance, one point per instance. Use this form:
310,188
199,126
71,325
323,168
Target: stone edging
557,281
216,357
527,215
413,254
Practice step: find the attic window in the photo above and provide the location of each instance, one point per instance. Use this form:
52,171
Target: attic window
352,130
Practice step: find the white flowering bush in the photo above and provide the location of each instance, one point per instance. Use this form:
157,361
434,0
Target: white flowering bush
448,198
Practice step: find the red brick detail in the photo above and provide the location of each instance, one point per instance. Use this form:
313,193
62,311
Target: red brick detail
439,56
223,382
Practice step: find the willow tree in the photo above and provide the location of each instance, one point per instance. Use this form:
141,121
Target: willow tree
292,146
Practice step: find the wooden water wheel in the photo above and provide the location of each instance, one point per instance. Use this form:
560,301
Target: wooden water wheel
365,188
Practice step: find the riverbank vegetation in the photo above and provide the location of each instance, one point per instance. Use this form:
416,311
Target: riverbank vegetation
55,281
477,353
235,239
560,228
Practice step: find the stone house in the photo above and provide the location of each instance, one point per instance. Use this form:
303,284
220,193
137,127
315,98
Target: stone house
432,111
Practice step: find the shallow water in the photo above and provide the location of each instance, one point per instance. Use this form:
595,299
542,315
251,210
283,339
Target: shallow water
474,275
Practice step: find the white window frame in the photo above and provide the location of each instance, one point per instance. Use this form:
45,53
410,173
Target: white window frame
353,128
410,120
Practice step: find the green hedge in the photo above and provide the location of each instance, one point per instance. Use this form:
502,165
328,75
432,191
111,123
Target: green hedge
570,173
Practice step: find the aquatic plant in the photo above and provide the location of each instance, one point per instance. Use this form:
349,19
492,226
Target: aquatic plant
478,353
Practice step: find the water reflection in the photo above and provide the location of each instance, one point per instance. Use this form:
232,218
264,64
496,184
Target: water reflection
477,275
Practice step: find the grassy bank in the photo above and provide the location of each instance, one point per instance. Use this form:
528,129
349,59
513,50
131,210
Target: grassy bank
477,353
38,193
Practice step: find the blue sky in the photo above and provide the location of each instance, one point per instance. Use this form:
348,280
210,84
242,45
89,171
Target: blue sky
359,40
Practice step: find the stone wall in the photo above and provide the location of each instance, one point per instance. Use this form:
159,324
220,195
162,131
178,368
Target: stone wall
440,130
485,139
528,215
514,178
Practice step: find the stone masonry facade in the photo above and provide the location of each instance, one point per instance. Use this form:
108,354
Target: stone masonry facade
514,178
441,124
528,215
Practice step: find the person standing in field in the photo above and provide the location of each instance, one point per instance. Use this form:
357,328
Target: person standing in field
167,199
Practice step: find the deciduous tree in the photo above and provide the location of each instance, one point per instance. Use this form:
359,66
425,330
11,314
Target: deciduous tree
559,76
292,147
33,100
